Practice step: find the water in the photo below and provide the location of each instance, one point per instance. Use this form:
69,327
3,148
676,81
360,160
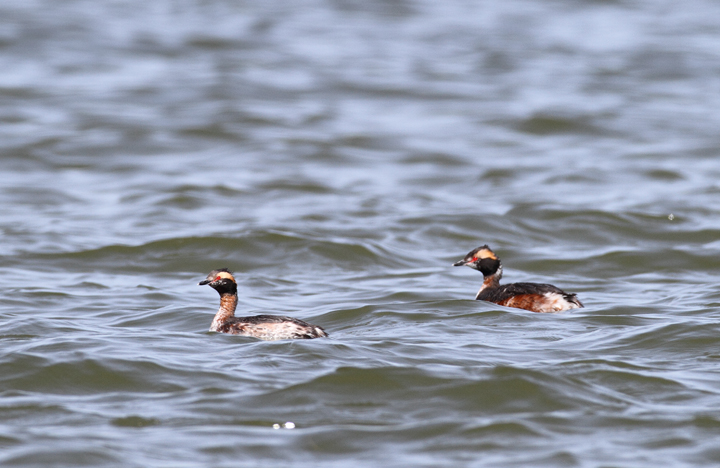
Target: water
339,156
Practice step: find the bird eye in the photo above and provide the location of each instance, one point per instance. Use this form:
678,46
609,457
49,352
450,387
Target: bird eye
217,279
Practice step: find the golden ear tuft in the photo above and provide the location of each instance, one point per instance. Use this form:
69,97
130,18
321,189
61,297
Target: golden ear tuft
225,274
486,253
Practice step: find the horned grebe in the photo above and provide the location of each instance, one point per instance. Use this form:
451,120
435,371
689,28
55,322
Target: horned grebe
535,297
264,327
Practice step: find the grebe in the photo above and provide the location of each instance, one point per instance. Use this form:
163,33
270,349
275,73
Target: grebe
535,297
264,327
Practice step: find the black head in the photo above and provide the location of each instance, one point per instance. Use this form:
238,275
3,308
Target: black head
482,259
221,280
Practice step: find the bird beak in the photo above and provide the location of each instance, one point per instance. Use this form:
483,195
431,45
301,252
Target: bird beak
460,263
204,282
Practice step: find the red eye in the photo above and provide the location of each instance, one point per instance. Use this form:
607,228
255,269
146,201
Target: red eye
217,279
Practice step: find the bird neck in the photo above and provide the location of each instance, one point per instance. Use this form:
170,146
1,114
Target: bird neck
490,281
228,303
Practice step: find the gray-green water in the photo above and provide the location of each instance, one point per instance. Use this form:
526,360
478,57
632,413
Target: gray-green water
339,156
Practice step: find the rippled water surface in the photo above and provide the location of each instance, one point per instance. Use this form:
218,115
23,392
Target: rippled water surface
339,156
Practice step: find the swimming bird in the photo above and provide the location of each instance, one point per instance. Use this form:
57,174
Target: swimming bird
535,297
264,327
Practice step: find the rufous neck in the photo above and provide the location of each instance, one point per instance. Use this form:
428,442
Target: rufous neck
492,281
228,303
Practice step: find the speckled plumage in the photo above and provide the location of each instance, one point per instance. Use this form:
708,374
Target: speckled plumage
270,327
